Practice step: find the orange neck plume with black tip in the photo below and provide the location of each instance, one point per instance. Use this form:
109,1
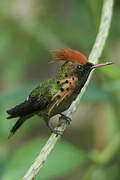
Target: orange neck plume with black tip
68,55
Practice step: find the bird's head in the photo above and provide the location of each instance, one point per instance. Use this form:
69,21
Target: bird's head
75,64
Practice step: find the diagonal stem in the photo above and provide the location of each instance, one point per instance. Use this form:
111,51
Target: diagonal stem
93,57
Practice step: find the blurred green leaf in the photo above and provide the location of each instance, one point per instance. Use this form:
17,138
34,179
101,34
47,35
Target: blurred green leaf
95,7
114,89
4,156
112,121
95,93
63,159
112,72
113,86
16,95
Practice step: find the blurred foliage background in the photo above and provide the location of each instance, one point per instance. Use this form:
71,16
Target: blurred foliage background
90,147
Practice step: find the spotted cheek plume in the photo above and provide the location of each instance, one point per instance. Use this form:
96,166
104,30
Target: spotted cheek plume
67,87
68,55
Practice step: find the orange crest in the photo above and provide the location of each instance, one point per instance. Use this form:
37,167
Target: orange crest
68,55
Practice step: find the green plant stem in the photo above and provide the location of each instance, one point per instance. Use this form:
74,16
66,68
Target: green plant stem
94,56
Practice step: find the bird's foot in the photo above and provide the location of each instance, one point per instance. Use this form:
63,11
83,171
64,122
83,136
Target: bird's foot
57,132
67,119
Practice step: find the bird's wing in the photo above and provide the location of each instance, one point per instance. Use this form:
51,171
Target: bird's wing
37,100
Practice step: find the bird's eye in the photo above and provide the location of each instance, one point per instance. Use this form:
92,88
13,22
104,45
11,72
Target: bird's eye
79,67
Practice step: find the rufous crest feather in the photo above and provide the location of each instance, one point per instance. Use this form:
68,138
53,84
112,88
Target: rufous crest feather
68,55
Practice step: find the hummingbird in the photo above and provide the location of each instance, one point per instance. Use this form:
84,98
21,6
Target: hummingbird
55,95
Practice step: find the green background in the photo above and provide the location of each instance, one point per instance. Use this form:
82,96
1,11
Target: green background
90,146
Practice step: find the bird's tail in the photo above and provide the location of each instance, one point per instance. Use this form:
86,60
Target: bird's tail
19,122
17,125
23,111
